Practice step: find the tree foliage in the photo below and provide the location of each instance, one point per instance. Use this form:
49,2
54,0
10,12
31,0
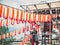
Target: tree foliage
6,41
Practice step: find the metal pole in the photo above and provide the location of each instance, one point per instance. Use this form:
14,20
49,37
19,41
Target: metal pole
50,29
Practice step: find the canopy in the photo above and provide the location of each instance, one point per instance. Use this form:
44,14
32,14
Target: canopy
41,4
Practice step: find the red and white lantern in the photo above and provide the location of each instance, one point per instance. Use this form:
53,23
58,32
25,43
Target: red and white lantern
1,23
7,35
54,16
0,37
12,22
11,13
14,33
19,31
34,17
6,12
1,10
3,36
20,15
11,34
28,17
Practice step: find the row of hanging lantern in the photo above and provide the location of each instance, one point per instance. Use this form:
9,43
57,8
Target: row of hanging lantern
19,31
8,22
18,15
30,36
25,40
55,16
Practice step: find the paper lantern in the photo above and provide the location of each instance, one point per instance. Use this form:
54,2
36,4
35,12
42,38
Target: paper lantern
19,31
23,43
43,18
7,35
11,34
14,33
16,12
12,22
3,36
17,21
25,40
54,16
17,15
25,15
28,38
28,17
59,15
27,28
20,15
6,12
37,18
23,30
49,19
34,17
31,27
31,17
46,18
11,13
0,37
6,22
1,23
1,10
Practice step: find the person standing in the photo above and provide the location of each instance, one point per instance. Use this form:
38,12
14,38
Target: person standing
34,36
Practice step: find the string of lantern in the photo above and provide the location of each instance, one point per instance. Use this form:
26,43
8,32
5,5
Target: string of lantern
8,22
19,31
25,40
30,36
18,15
